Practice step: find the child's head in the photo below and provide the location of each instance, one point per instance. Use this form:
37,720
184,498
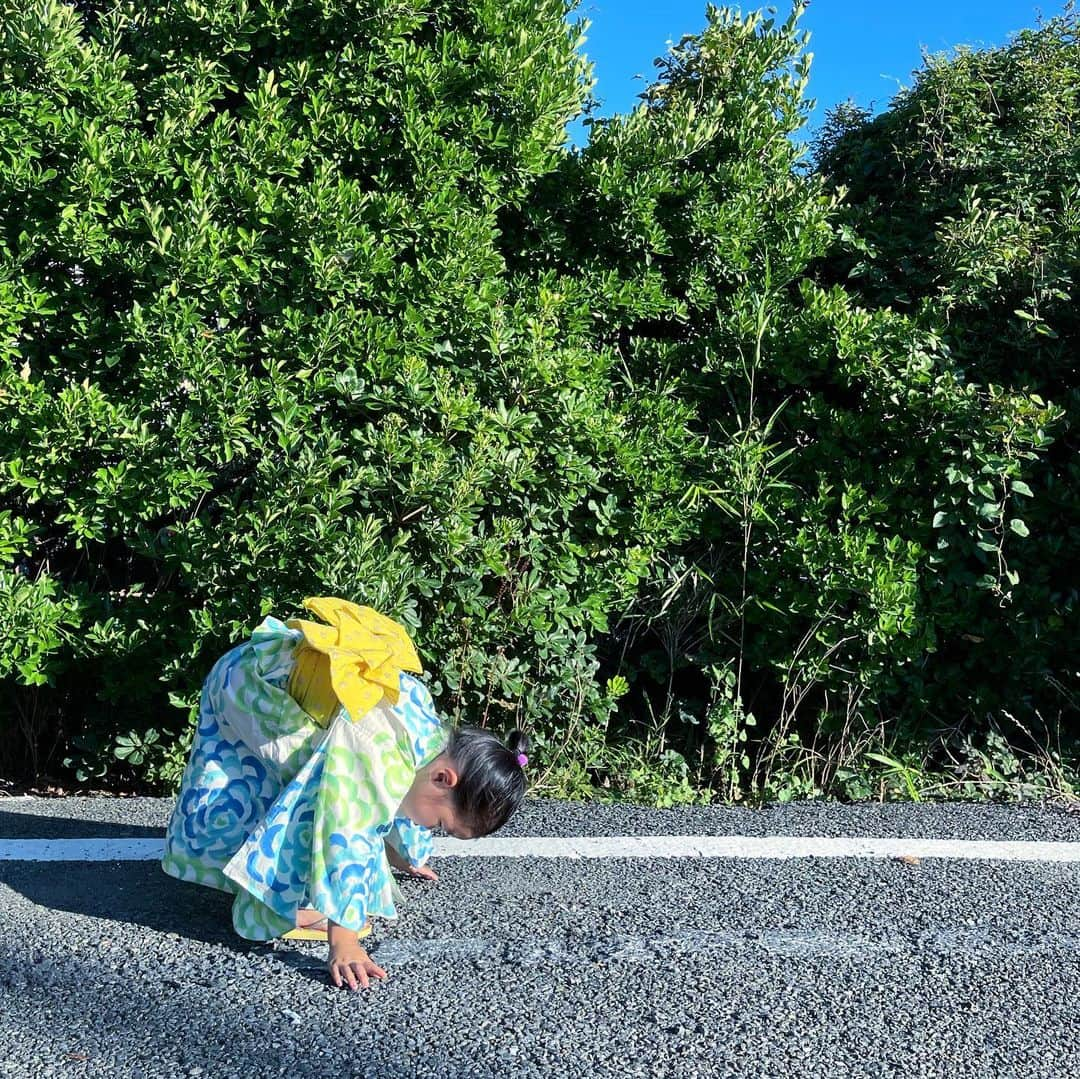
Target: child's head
491,777
473,787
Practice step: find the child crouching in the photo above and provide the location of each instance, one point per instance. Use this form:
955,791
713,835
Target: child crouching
319,762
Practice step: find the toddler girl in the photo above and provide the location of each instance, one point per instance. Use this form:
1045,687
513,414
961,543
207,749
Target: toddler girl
317,764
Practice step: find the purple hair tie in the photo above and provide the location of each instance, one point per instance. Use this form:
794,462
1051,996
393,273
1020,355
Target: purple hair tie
522,760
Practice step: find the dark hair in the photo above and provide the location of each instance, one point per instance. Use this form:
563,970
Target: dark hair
491,779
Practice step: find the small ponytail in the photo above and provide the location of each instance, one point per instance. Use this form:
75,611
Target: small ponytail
518,744
491,776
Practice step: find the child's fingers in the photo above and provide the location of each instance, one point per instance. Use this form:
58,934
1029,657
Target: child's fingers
355,973
341,974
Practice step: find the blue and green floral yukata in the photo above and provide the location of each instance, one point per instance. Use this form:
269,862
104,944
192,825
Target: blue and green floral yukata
285,813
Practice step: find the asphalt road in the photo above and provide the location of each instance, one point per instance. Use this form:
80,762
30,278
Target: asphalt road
512,967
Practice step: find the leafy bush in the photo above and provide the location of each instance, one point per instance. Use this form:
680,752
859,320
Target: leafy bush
864,495
961,209
261,341
703,467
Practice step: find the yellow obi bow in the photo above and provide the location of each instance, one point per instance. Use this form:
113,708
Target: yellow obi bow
355,661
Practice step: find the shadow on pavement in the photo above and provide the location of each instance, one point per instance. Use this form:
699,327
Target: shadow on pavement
34,826
137,893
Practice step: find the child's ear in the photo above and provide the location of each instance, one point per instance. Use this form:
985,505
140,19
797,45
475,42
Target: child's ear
445,776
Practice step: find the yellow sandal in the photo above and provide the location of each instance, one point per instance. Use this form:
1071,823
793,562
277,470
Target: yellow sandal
317,930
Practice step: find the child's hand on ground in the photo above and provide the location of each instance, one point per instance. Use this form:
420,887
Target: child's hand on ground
349,964
353,967
401,864
424,872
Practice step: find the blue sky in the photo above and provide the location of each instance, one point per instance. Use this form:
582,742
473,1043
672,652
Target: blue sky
862,49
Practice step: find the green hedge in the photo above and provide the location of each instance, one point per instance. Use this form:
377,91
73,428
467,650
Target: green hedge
961,210
314,298
862,573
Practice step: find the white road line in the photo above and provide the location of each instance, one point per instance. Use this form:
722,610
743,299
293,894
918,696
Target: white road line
81,850
738,846
644,846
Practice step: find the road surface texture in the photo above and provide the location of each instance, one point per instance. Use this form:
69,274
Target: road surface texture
565,967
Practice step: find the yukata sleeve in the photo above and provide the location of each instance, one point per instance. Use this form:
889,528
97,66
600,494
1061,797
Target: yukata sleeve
365,777
412,841
321,845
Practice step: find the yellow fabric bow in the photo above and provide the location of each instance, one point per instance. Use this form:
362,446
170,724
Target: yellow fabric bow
356,660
